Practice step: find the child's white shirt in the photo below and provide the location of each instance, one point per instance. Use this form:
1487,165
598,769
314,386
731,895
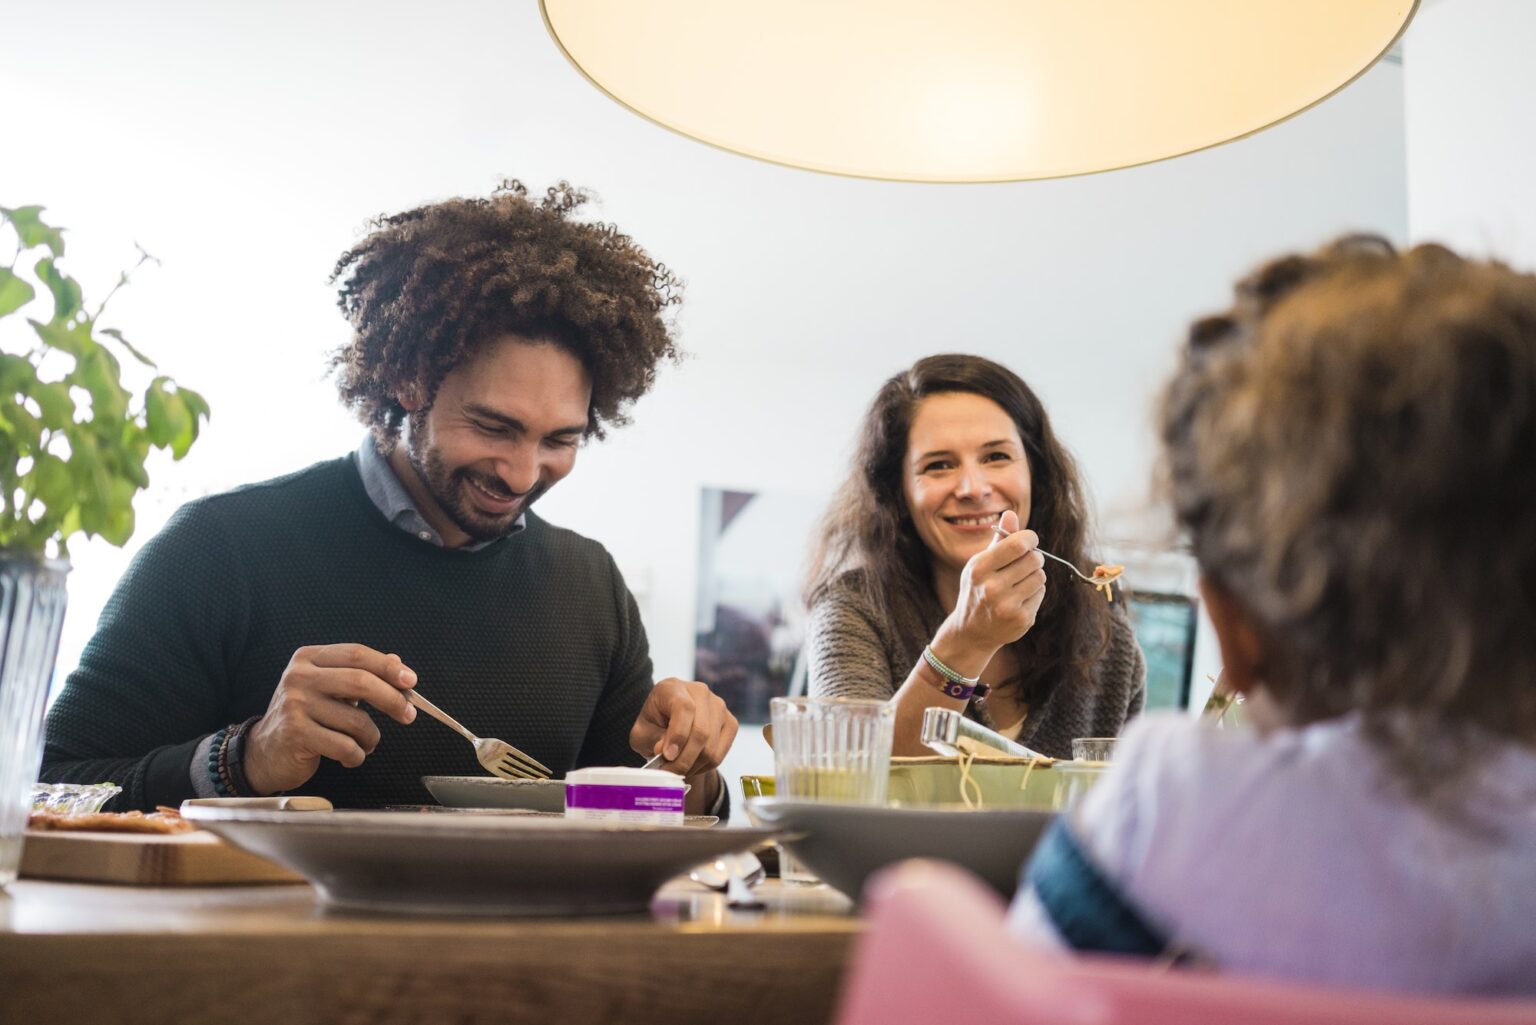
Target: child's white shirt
1287,855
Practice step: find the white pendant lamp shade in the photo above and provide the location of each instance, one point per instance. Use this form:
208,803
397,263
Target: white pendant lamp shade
971,90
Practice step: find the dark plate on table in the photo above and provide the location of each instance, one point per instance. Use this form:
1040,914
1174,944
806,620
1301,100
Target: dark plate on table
502,864
845,843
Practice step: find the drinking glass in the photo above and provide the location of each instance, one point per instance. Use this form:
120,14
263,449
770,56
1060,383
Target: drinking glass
1093,749
832,749
790,870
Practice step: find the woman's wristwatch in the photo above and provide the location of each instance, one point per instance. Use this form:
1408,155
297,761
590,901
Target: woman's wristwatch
955,685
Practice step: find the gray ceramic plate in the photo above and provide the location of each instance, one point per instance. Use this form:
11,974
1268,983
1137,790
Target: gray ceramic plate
476,865
490,792
844,844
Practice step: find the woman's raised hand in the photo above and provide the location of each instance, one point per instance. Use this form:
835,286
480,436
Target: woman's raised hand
1001,589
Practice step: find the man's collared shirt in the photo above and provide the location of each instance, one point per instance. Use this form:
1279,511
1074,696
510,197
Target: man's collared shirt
385,491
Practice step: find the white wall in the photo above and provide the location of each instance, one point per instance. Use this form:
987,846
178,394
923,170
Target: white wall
1469,93
245,146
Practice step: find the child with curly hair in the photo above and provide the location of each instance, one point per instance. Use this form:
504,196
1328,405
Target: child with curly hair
1352,452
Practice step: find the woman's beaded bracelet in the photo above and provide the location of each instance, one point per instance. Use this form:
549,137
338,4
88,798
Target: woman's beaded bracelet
955,685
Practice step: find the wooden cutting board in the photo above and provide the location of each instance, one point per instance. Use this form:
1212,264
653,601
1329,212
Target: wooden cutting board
145,859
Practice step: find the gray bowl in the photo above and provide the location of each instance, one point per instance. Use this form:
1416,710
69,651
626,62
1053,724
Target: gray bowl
469,864
491,792
844,843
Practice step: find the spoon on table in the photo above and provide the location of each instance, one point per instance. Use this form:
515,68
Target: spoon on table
1102,576
735,874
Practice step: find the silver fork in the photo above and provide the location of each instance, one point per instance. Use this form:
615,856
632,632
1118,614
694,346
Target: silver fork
736,874
1097,581
496,756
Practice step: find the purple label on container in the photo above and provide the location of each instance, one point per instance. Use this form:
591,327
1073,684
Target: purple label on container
612,798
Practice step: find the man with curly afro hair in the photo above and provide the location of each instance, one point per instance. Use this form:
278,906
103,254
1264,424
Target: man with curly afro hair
268,639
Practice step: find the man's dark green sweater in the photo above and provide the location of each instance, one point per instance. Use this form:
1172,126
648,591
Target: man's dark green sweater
533,639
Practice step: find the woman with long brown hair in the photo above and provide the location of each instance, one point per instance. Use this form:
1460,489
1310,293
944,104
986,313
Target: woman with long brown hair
915,595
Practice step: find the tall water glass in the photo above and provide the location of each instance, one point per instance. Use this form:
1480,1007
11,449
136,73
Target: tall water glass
832,749
32,598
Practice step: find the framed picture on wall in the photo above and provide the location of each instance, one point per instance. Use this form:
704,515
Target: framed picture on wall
1165,628
751,622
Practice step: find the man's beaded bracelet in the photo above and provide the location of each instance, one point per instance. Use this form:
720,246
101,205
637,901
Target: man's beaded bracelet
226,760
228,788
215,753
955,685
235,762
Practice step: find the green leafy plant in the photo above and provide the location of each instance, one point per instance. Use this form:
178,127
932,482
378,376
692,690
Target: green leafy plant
73,440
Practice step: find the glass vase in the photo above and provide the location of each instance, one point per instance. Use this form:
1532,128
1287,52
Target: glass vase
32,599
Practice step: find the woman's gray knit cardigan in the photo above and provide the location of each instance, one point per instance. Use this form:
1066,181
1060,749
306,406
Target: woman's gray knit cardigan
854,650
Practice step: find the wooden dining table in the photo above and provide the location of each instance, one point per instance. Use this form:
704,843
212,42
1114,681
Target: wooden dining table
80,952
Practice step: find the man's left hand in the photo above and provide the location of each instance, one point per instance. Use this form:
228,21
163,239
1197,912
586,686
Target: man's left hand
688,724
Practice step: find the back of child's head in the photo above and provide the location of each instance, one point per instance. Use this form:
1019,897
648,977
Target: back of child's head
1352,451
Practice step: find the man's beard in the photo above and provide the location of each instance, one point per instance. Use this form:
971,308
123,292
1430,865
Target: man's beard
447,488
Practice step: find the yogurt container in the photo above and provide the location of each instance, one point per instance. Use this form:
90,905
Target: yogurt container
652,797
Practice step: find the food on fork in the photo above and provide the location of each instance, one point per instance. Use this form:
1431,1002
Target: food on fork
1104,576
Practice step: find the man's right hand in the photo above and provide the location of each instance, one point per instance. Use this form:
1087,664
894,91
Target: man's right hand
314,713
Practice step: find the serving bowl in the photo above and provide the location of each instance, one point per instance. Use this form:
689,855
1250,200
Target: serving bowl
469,864
845,843
1002,783
999,783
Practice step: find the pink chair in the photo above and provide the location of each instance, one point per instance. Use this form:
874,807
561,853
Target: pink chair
936,951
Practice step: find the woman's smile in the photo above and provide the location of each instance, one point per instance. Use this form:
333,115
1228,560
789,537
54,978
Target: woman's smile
970,522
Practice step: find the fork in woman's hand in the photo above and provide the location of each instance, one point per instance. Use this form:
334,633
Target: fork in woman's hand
1102,576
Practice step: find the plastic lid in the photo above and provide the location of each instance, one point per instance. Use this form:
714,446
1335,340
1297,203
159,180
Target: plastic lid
624,777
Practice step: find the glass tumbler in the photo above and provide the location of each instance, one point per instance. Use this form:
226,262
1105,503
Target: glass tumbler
1093,749
832,749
